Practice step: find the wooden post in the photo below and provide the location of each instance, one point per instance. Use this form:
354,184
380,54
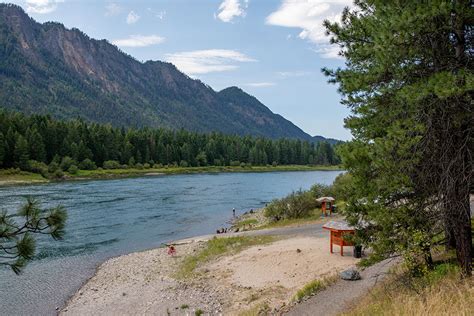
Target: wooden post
330,242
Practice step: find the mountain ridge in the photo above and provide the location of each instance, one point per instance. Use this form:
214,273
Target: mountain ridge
49,69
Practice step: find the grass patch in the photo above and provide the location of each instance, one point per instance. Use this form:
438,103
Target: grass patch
314,287
16,176
102,173
440,292
297,221
246,222
217,247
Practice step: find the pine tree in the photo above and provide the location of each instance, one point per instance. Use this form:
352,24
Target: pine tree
21,154
17,246
408,80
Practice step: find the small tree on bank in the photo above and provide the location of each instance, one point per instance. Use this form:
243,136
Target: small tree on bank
17,245
410,85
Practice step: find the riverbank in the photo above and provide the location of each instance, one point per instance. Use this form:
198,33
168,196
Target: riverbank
17,177
262,277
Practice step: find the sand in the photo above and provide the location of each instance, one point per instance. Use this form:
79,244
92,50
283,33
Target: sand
143,283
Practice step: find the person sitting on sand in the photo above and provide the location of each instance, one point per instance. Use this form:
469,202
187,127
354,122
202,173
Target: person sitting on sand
171,250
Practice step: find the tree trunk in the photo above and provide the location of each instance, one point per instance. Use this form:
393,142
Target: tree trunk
463,236
450,242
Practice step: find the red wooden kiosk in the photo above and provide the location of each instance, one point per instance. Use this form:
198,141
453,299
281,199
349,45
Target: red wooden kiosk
337,232
326,204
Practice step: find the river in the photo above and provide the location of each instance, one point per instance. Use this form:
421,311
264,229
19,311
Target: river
107,218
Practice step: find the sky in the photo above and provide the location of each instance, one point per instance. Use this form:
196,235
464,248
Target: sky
272,49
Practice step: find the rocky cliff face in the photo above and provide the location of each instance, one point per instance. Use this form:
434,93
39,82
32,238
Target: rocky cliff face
46,68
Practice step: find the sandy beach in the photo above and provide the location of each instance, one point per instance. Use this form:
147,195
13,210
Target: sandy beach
264,275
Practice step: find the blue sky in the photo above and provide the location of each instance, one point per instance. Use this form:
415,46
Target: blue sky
273,49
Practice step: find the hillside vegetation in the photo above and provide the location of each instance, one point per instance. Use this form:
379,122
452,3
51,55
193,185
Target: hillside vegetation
49,69
50,147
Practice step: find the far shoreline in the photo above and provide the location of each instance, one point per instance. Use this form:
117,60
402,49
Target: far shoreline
12,177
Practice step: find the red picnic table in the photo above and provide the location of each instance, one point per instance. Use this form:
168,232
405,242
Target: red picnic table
338,229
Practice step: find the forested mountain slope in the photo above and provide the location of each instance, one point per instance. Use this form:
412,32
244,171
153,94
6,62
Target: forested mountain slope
46,68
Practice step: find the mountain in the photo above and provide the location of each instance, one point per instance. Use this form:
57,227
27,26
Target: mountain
332,141
47,68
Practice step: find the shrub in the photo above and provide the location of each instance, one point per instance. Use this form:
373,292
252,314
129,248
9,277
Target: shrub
139,166
342,186
131,162
319,190
183,163
242,164
146,165
234,163
58,174
157,166
73,169
111,164
296,205
87,164
53,166
67,162
274,164
38,167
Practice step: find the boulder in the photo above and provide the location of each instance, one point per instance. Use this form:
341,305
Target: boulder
350,275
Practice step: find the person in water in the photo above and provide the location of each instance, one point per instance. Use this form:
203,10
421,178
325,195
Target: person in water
233,212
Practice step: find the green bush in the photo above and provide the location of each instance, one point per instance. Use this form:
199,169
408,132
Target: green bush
157,166
183,163
58,174
139,166
298,204
38,167
73,169
53,166
319,190
234,163
146,165
343,186
111,164
66,163
87,164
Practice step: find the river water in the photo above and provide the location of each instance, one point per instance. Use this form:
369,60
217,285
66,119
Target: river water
108,218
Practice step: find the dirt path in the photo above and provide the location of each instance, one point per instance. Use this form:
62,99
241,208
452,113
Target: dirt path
340,296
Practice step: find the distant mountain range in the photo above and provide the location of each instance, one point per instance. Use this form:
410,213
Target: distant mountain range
48,69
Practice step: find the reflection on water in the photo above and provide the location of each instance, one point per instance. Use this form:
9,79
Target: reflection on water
112,217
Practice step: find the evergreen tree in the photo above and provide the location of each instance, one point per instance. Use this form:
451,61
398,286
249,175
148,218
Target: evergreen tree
21,153
408,80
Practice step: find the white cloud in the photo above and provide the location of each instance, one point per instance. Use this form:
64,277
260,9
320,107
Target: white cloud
206,61
260,84
112,9
328,51
229,9
139,41
132,17
291,74
158,14
309,15
42,6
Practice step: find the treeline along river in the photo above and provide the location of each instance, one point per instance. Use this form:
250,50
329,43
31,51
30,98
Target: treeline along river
108,218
